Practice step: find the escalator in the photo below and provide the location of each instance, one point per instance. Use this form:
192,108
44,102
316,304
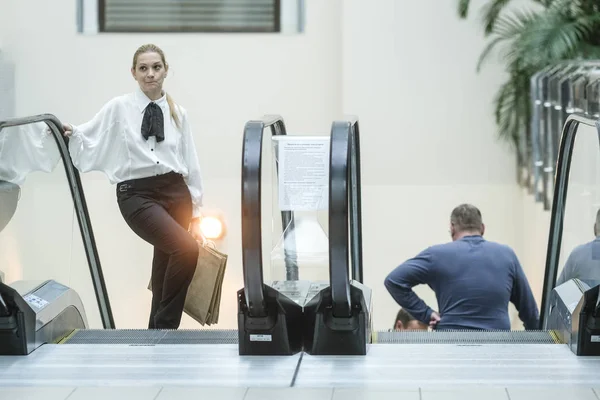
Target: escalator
349,298
34,312
335,321
569,313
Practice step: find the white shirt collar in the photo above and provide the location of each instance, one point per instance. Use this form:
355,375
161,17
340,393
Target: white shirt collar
142,100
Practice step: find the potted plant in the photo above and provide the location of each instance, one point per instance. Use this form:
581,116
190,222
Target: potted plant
529,39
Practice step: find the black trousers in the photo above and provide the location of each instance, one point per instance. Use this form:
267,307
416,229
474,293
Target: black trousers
159,210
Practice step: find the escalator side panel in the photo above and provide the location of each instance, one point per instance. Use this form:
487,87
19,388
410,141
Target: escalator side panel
278,333
326,334
17,330
61,326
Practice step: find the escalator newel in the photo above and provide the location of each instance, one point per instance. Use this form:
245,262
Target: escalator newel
17,324
3,308
337,320
277,332
574,316
269,323
589,324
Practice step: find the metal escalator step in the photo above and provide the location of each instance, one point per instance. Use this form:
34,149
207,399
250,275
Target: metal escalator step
465,337
212,336
205,336
152,337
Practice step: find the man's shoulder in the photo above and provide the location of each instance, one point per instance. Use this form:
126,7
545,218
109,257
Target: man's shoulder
587,246
498,245
500,248
442,248
584,249
488,244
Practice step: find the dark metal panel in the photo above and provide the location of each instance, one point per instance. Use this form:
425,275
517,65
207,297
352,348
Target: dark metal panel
251,210
339,157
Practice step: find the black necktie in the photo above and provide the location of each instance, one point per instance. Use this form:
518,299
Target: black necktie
153,123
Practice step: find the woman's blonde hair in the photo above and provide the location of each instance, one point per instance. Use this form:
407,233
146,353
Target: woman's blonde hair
152,48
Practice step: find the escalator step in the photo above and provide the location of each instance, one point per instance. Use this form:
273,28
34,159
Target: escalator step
466,337
151,337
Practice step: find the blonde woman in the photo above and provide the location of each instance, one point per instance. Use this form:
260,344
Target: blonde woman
143,142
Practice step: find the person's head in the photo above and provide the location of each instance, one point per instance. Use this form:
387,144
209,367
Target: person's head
466,220
405,322
149,69
597,224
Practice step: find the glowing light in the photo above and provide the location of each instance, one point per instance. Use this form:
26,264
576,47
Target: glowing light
211,227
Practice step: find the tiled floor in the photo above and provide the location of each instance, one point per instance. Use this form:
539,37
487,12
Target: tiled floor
434,366
154,366
170,393
388,372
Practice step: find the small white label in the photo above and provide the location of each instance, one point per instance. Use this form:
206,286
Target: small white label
595,338
35,301
260,338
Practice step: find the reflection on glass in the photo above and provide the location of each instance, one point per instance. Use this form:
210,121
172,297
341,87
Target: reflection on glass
39,236
23,150
580,245
584,260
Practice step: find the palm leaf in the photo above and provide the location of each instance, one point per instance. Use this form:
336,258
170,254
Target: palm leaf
491,12
588,51
487,50
505,105
553,37
463,8
512,25
506,28
529,41
513,107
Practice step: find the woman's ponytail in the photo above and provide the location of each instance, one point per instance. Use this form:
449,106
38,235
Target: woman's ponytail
173,111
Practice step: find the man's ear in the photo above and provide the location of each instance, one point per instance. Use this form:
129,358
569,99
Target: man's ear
399,326
482,229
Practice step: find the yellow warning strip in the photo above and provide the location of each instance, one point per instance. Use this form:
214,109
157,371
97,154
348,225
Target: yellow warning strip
554,336
68,337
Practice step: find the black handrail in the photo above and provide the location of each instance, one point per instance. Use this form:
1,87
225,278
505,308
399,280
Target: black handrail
83,217
344,195
251,211
355,204
561,181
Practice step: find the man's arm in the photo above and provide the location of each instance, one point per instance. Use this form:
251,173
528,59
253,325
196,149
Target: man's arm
522,298
401,280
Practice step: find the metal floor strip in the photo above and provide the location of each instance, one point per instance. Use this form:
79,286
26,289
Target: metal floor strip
213,336
466,337
152,337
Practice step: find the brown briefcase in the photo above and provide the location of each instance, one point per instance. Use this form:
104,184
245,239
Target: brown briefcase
204,293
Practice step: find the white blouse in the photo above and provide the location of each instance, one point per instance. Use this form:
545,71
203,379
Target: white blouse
112,143
25,149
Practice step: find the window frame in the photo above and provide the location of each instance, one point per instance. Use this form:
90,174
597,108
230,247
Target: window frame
101,21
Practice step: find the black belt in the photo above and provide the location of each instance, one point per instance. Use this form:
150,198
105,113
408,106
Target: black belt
151,182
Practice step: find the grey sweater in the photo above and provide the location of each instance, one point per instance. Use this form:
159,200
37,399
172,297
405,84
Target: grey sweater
473,279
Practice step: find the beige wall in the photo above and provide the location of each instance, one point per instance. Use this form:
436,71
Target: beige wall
406,69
